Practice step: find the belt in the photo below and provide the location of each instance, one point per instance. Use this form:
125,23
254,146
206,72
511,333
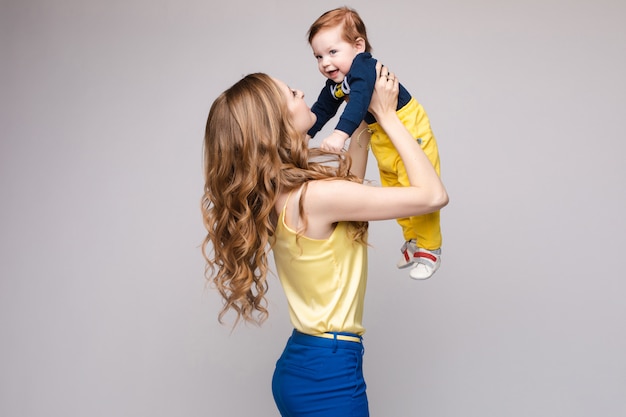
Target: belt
339,336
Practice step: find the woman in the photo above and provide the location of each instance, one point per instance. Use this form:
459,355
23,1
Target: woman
264,188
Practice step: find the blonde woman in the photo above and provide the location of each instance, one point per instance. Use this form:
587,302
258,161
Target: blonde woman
266,190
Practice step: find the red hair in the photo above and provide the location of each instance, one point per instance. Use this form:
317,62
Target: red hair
353,26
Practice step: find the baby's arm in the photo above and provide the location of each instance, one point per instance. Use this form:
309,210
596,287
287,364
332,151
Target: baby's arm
335,142
324,109
361,86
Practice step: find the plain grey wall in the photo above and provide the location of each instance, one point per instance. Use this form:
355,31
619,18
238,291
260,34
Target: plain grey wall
103,309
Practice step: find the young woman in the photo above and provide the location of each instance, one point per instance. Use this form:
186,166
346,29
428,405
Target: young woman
266,190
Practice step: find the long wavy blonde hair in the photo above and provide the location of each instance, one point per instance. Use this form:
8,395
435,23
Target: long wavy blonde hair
252,153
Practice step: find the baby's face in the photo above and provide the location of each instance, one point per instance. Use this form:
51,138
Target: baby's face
333,53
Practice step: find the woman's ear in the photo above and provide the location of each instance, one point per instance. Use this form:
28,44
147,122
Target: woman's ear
360,44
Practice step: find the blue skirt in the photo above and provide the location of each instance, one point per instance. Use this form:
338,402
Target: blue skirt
319,377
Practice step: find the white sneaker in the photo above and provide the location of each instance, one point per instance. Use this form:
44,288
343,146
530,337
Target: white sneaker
426,262
408,251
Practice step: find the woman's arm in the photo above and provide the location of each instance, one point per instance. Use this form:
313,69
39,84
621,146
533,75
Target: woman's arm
331,201
359,150
419,169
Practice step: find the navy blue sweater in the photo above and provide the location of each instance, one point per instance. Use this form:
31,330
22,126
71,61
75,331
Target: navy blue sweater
358,85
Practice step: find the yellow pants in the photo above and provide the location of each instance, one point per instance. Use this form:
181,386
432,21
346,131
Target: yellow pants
425,229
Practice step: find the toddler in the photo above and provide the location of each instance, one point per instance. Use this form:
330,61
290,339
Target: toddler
340,45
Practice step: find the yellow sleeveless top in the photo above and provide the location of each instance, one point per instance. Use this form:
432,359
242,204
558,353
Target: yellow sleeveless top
324,279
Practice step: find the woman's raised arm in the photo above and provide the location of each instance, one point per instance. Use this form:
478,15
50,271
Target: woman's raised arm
419,169
333,201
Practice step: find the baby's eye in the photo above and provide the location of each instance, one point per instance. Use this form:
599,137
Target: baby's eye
333,51
318,57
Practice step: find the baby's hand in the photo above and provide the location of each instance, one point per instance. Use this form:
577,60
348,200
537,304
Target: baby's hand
335,142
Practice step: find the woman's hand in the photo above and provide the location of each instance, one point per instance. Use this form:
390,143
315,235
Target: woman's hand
385,97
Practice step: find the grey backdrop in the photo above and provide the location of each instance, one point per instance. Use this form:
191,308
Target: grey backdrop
103,306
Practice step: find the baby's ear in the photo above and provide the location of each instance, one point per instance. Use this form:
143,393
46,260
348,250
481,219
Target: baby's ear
360,44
